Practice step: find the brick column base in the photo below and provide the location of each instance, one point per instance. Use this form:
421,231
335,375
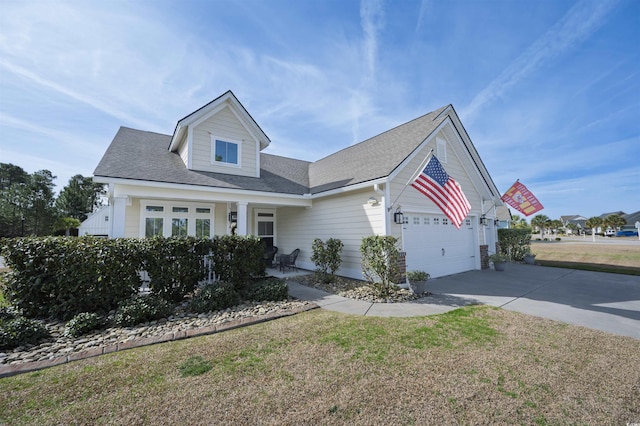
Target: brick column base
484,256
402,268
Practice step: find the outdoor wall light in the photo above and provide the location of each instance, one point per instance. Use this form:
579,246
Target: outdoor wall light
483,220
496,222
233,216
398,217
372,201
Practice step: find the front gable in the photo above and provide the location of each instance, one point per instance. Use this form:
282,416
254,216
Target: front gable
220,137
457,154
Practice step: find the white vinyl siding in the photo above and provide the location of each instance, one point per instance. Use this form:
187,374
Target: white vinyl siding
347,217
224,125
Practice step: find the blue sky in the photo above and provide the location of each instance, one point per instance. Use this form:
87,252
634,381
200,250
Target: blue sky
549,91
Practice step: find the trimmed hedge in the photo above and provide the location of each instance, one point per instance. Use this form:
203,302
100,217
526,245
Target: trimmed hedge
238,259
60,277
175,265
515,243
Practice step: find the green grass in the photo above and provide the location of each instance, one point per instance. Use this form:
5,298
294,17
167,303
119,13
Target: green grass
595,267
474,365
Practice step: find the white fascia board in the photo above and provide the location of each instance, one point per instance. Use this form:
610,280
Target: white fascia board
482,175
176,137
138,188
468,143
349,188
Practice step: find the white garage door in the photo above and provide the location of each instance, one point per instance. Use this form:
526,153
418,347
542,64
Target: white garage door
433,244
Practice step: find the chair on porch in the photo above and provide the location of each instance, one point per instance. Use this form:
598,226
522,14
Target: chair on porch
269,256
289,260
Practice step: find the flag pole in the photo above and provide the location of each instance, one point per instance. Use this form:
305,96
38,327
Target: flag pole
416,173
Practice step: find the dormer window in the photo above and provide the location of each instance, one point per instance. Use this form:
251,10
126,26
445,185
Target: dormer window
225,152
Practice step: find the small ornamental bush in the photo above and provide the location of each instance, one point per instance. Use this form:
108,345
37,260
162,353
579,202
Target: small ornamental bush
380,257
83,323
139,309
326,257
272,289
214,297
8,313
21,331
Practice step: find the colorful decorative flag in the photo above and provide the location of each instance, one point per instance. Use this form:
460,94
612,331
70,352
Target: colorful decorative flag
521,199
442,189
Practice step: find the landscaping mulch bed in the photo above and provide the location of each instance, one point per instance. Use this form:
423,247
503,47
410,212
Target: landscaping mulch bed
359,290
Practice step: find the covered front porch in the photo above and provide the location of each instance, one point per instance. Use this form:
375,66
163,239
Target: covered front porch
137,211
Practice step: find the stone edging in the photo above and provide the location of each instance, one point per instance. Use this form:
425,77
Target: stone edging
12,370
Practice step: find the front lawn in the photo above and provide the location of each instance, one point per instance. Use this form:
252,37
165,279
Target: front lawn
476,365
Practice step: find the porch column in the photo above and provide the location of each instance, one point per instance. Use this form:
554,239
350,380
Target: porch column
118,217
242,218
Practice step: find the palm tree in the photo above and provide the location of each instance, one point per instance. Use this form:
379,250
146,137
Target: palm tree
518,222
593,223
615,221
540,221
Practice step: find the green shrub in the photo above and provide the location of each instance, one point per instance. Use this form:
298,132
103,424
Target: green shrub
416,276
272,289
8,313
327,257
214,297
238,259
83,323
514,242
175,265
61,277
380,257
20,331
139,309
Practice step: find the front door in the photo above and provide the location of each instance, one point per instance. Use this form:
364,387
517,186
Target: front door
266,226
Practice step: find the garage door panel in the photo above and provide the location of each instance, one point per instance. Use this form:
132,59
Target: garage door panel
434,245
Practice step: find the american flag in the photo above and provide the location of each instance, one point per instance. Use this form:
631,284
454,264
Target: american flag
442,189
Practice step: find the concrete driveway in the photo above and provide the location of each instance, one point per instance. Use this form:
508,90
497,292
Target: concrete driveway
598,300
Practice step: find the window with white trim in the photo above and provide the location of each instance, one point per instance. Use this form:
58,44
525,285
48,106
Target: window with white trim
176,220
225,152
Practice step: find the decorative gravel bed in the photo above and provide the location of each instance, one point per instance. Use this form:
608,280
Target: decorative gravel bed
359,290
59,345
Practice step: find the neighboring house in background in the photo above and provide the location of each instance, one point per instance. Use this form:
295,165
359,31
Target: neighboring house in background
579,221
631,219
97,223
211,178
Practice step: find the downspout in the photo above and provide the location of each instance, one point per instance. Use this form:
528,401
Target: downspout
383,201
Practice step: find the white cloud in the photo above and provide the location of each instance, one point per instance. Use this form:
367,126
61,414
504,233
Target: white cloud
584,18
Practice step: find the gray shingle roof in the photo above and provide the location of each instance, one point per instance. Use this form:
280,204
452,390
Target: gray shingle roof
141,155
373,158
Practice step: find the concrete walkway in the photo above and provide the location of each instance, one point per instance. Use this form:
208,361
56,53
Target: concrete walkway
602,301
